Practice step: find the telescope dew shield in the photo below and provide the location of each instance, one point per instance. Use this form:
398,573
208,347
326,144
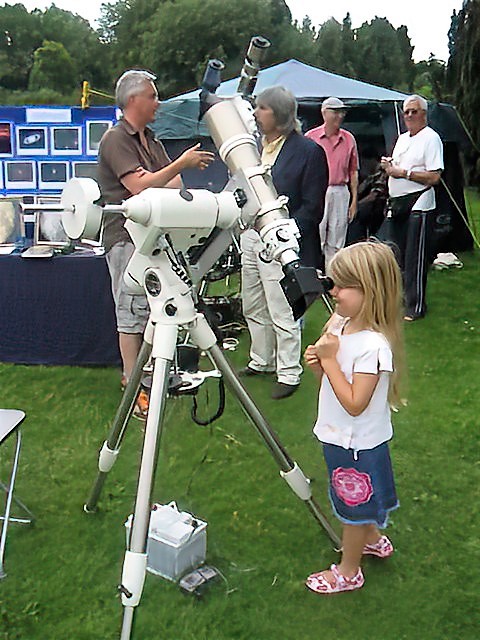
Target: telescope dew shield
236,145
228,124
253,60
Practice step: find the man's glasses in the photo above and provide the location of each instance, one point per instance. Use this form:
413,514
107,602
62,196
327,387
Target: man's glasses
410,112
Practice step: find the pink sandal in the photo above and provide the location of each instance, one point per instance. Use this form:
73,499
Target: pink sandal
383,548
318,583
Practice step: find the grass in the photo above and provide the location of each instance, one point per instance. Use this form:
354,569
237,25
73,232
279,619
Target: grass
63,572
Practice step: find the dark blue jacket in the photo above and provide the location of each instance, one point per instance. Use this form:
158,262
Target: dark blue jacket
301,173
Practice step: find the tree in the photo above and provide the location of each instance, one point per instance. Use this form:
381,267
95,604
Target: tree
111,13
329,46
88,54
406,51
52,67
348,47
24,32
464,66
21,35
430,79
379,57
176,39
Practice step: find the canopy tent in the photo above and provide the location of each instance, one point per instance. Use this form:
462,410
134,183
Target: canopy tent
178,117
374,117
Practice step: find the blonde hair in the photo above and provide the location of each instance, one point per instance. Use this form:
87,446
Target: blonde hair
372,267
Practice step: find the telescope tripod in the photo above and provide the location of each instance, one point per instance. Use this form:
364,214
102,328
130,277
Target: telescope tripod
172,306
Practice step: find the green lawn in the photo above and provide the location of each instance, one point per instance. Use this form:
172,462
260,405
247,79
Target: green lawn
63,572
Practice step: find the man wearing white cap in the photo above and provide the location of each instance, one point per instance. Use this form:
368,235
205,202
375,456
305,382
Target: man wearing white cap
342,157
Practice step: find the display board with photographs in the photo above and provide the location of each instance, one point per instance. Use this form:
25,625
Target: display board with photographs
43,147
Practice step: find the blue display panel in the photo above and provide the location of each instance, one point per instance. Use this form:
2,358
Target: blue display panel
41,148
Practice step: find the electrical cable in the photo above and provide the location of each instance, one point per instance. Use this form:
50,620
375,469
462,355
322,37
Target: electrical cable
462,215
219,411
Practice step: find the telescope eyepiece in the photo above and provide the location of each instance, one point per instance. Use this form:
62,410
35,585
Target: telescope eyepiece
257,49
213,75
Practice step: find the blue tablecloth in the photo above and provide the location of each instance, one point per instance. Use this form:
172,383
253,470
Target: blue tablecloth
57,311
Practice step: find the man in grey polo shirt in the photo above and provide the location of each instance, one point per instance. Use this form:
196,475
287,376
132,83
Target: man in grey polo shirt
130,160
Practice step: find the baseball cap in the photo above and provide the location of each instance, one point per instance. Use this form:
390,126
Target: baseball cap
333,103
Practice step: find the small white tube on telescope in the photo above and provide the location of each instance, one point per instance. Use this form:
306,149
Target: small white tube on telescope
298,483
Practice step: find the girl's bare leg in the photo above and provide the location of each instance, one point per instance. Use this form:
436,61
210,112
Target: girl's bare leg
354,539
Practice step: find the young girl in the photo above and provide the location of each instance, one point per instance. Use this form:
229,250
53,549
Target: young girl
358,360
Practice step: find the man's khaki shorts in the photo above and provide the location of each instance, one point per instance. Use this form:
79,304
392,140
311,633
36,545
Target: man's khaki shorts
131,310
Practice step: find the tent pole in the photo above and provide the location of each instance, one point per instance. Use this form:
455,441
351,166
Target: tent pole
397,121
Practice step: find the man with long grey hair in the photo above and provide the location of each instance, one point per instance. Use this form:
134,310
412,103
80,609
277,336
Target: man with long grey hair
130,160
414,168
299,171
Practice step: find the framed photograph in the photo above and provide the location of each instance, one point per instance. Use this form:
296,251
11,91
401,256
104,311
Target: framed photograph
53,200
49,229
95,131
20,175
12,228
52,175
66,141
31,141
5,139
85,170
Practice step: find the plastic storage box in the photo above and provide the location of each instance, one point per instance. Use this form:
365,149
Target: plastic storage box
177,541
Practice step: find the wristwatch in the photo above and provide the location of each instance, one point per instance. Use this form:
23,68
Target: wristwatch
409,174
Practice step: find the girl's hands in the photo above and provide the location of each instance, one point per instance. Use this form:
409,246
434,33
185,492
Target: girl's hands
311,360
327,346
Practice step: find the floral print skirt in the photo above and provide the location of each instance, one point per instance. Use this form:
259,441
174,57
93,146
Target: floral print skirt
362,488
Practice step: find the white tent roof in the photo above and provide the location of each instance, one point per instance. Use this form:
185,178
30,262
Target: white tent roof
305,81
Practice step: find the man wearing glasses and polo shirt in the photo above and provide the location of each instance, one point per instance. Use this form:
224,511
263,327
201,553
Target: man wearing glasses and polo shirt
415,167
342,157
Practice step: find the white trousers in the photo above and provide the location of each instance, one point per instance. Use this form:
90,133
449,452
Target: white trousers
275,335
333,227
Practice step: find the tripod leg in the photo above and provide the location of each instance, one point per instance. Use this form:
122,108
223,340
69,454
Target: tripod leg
289,470
111,446
11,498
135,562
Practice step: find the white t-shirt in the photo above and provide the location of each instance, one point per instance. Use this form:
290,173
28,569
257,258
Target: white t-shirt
421,152
361,352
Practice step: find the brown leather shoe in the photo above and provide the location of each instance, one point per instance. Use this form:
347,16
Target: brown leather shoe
281,390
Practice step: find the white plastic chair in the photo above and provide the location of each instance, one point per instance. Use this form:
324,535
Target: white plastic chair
10,421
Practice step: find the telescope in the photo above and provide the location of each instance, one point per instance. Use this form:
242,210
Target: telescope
165,224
